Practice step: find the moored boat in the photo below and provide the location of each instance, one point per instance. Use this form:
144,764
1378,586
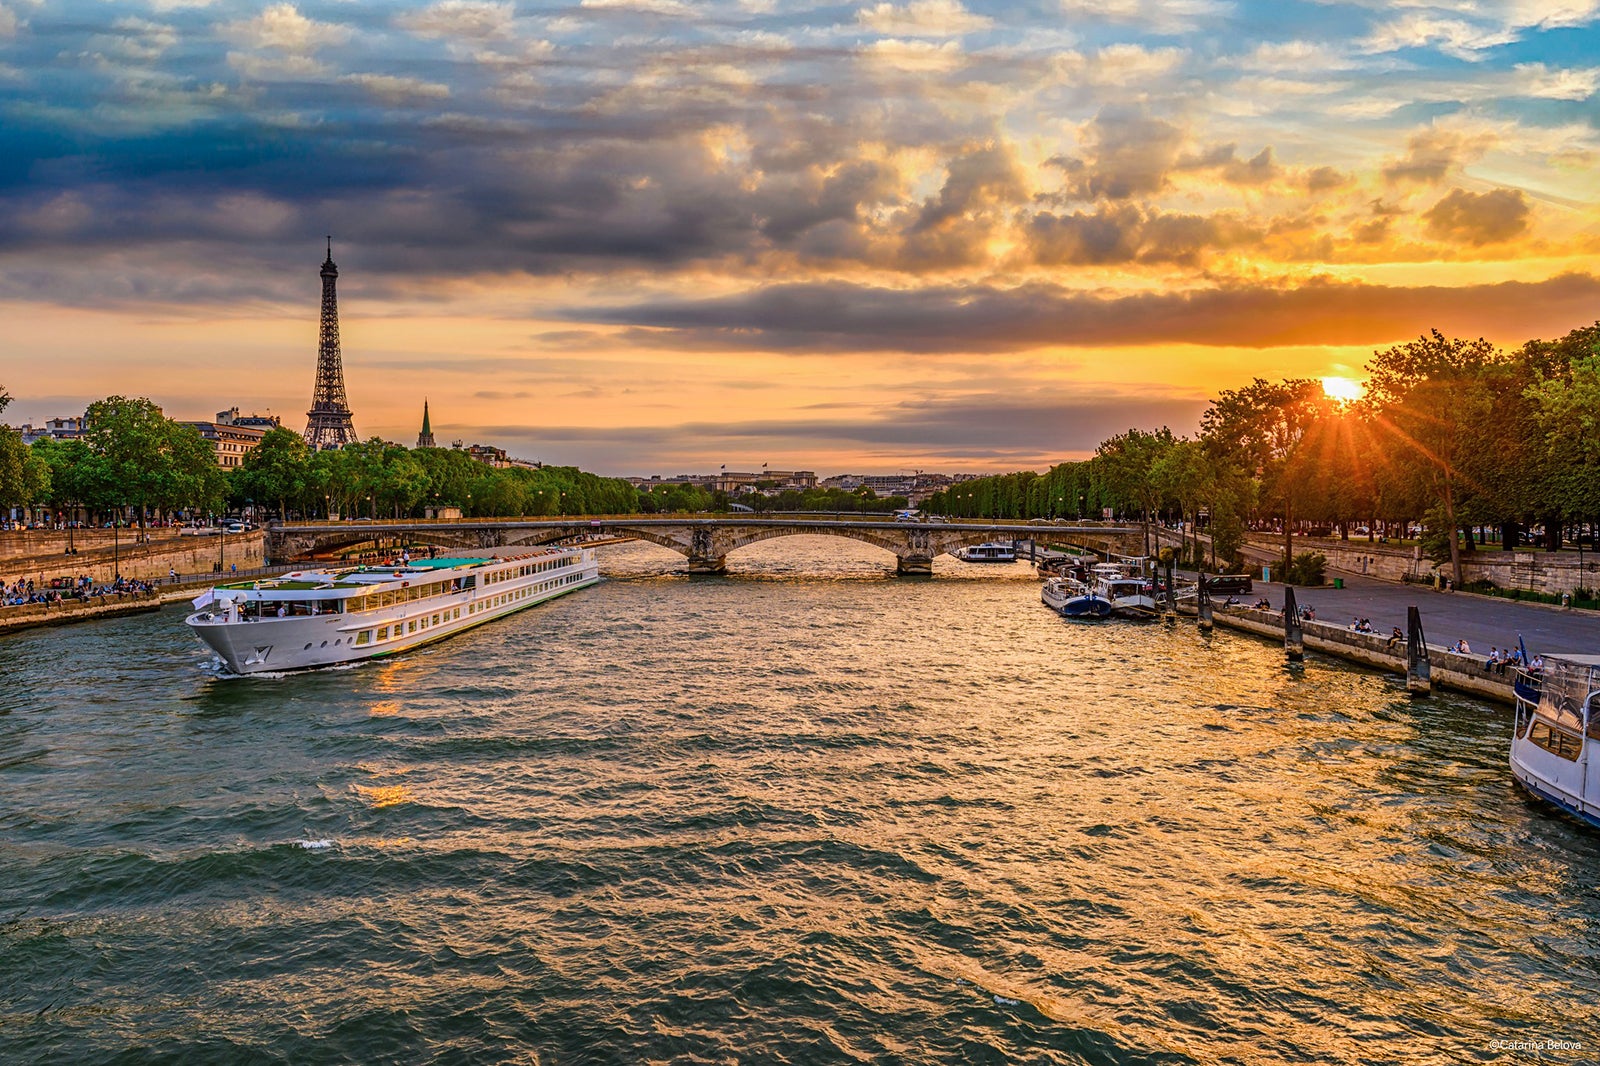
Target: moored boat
1556,737
987,553
323,617
1058,591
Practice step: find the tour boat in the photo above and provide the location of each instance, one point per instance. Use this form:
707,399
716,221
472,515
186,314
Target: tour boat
987,553
1555,745
323,617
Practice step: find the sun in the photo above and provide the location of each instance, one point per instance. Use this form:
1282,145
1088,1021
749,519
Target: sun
1345,390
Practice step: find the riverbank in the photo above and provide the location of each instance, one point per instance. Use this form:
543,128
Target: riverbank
1483,622
34,615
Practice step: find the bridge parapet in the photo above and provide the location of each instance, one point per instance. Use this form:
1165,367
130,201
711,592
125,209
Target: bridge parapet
704,542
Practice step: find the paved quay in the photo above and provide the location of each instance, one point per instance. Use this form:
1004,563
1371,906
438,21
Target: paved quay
1482,621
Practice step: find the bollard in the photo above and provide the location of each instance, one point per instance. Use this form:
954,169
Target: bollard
1294,641
1203,607
1419,670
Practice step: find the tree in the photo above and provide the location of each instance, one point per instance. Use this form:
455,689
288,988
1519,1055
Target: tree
1567,411
1130,460
151,461
23,477
1259,430
1430,397
276,469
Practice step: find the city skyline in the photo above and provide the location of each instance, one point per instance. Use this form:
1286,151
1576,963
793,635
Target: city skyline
636,235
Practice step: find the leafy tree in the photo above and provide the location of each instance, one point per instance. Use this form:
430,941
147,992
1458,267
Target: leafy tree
1430,398
275,469
1130,462
150,461
1567,411
1259,430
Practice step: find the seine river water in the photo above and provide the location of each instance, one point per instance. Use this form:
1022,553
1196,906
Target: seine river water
807,813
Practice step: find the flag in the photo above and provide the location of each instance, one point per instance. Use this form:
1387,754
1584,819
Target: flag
1527,663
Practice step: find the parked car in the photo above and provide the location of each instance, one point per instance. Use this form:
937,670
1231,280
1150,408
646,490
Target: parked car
234,527
1229,583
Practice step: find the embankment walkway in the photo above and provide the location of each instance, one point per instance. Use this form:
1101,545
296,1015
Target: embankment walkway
1484,622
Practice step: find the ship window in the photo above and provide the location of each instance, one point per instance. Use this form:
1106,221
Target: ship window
383,633
458,612
324,644
1562,745
435,619
364,637
307,647
411,626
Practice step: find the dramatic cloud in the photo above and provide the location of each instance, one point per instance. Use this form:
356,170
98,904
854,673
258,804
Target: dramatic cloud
922,18
875,198
1478,218
983,319
1434,154
1129,154
468,19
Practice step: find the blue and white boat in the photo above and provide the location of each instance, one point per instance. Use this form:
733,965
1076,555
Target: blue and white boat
1555,745
1086,606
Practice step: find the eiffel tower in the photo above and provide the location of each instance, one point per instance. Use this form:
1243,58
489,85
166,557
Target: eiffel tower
329,425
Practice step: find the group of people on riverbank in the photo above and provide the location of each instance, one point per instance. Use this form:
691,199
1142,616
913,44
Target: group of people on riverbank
23,591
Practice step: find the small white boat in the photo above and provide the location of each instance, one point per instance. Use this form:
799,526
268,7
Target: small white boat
1057,592
323,617
987,553
1555,745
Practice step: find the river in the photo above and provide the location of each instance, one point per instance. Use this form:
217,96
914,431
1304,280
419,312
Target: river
806,813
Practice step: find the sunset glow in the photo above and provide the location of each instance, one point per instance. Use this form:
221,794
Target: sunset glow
642,236
1345,390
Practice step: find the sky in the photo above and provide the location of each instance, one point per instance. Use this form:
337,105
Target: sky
662,236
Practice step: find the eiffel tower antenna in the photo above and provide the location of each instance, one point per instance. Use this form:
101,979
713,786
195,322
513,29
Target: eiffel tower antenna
329,424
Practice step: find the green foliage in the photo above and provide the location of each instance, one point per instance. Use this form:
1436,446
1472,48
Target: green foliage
275,471
24,478
1308,569
149,461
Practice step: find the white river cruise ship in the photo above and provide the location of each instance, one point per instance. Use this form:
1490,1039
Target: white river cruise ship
322,617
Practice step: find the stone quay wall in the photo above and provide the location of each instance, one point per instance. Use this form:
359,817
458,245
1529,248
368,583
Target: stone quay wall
186,555
32,615
1463,673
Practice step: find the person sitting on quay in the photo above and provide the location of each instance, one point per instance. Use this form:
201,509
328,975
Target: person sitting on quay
1396,636
1461,647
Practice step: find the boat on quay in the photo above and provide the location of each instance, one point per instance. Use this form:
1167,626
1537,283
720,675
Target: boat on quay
987,553
324,617
1556,737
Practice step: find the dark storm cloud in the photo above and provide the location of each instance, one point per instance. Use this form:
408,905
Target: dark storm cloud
844,318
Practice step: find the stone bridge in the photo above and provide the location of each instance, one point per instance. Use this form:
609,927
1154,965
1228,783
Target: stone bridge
705,542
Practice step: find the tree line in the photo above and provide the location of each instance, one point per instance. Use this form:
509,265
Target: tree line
132,461
1452,435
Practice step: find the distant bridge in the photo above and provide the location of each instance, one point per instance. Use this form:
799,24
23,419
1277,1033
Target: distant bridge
705,542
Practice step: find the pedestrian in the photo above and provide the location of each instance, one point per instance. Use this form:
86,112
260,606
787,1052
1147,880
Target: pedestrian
172,574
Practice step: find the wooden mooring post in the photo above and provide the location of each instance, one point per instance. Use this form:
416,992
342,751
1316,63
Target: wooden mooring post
1294,641
1202,604
1170,604
1419,669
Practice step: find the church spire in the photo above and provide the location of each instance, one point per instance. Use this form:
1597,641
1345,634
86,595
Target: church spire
425,438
